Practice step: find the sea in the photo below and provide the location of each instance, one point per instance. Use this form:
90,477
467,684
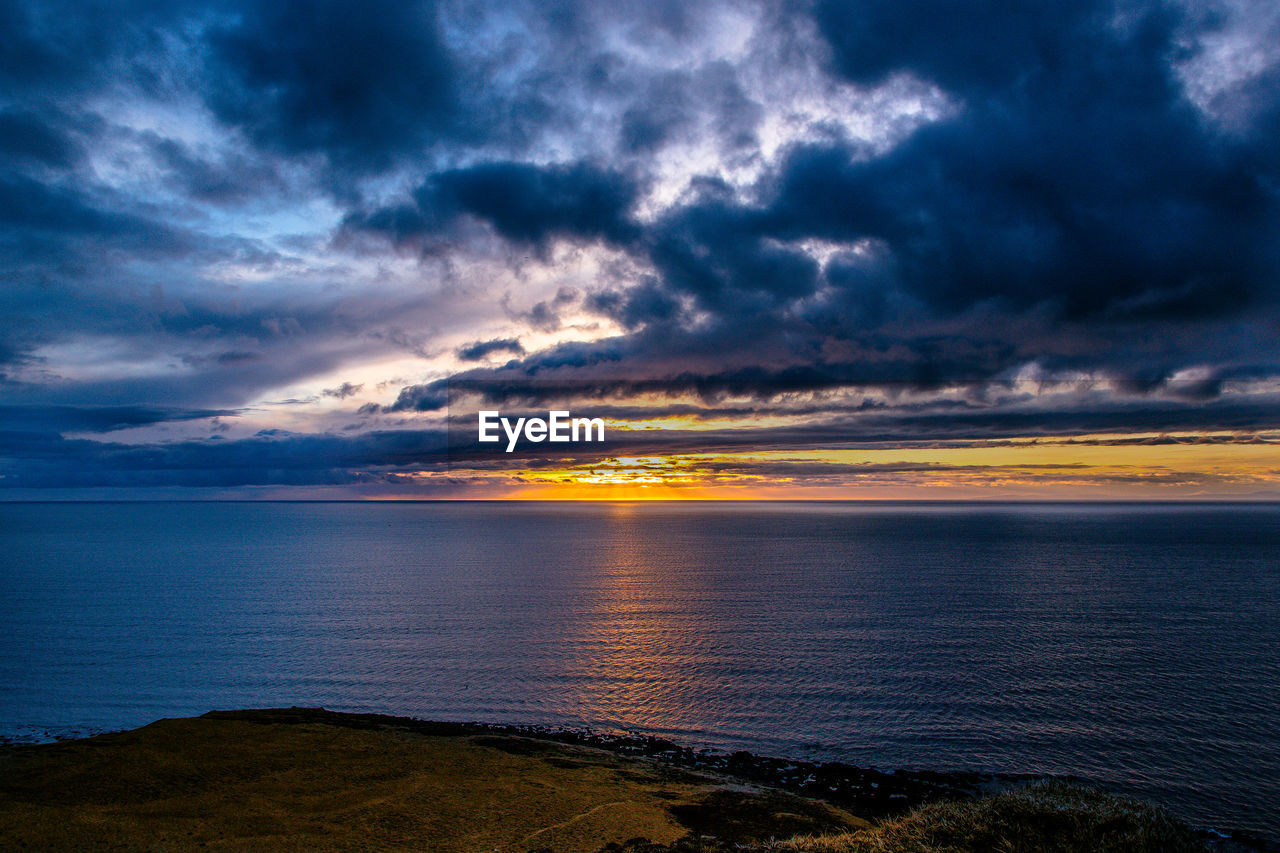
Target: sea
1136,646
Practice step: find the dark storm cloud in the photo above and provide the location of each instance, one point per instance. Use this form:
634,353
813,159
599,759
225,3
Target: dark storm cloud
1075,184
724,254
96,418
755,381
226,180
672,107
343,391
40,461
700,363
60,47
478,350
968,47
530,204
521,202
1076,172
361,83
645,303
115,234
27,137
37,214
1097,192
1075,177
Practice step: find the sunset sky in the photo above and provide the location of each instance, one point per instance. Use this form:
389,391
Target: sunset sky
923,250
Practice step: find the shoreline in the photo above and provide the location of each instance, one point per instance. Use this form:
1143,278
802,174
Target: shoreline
867,793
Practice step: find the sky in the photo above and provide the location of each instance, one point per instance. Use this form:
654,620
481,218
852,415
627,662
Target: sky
864,250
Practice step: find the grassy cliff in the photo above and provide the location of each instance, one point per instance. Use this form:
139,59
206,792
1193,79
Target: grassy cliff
297,780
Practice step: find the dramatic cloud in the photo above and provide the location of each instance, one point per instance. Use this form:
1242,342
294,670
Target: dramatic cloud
343,391
483,349
297,245
360,84
523,203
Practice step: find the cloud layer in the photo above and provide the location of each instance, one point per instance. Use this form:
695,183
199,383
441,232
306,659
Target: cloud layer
277,244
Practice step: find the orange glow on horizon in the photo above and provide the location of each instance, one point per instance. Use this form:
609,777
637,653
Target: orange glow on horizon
1097,467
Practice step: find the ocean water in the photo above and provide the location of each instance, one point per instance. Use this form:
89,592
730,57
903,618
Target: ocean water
1137,646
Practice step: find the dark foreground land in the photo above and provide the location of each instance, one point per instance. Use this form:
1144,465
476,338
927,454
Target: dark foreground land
302,779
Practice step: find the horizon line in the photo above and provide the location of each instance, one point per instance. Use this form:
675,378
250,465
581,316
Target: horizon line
988,501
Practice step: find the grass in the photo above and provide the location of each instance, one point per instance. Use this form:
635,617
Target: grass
1043,817
241,784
